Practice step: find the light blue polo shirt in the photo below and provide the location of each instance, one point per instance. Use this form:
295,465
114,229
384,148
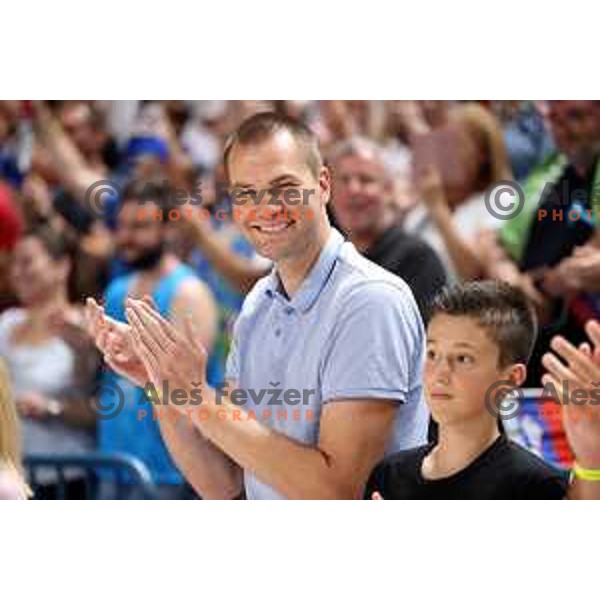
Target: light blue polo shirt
352,330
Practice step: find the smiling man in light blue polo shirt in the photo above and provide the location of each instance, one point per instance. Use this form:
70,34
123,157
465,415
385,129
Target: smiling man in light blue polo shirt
351,332
338,341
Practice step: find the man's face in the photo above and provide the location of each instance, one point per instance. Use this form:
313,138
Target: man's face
278,229
139,234
361,190
576,127
462,363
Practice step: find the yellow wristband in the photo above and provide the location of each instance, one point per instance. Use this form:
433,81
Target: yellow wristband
586,474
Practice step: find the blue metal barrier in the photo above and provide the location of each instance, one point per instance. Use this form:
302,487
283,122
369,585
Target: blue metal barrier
104,476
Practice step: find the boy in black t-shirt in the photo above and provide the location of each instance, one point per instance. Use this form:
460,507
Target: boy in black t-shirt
480,334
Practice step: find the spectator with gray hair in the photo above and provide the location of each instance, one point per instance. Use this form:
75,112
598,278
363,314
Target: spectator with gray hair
363,208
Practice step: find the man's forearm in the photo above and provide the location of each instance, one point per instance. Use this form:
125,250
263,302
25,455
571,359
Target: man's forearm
295,470
210,472
465,261
71,168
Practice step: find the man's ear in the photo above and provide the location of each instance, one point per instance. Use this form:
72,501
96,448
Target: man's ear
325,183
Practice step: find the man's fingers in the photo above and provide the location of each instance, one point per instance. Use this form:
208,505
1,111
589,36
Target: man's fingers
579,364
557,369
592,328
149,300
156,337
142,337
548,379
377,496
99,325
150,362
192,333
164,331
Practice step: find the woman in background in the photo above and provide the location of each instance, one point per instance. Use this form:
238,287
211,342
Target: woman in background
12,483
453,168
51,363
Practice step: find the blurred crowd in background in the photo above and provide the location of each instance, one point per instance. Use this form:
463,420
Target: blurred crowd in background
409,182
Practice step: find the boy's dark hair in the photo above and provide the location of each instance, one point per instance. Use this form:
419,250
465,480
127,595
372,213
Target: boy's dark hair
261,126
501,309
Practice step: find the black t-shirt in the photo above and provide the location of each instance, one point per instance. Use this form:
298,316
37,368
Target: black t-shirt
550,240
505,471
412,259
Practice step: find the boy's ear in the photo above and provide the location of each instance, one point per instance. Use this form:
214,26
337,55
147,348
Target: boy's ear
517,373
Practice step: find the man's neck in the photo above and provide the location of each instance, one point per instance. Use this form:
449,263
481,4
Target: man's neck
459,446
166,264
365,240
294,271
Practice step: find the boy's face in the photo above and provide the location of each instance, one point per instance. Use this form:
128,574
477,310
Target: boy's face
462,362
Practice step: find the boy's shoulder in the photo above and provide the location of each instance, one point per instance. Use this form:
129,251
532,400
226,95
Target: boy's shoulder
506,470
531,476
396,471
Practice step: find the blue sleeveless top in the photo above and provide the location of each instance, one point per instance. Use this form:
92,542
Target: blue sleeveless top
130,431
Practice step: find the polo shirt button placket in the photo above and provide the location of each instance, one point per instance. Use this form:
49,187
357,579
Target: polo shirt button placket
278,323
282,322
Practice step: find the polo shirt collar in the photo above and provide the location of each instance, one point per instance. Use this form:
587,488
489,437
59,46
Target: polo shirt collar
316,279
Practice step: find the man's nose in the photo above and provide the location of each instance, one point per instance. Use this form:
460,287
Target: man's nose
271,209
354,186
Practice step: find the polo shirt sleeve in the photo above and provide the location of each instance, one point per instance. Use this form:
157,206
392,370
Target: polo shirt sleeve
377,346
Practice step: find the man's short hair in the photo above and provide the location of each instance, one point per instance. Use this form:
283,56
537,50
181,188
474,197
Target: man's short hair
501,309
357,146
263,125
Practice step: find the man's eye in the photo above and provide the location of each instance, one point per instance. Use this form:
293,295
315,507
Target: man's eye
243,195
430,355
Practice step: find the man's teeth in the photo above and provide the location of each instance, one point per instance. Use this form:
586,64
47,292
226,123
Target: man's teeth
274,227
